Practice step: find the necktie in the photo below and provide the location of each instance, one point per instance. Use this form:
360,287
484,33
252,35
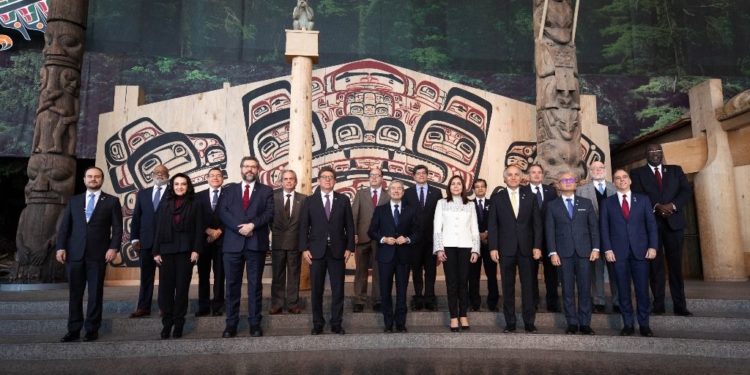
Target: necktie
246,197
514,203
421,196
601,188
570,207
215,200
539,198
374,198
625,207
157,197
288,206
328,207
480,209
90,207
396,214
658,178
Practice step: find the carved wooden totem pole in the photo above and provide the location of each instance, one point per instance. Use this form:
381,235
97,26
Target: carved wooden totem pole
557,89
52,166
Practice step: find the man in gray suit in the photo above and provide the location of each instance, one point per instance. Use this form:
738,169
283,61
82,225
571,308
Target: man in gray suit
286,258
363,207
596,191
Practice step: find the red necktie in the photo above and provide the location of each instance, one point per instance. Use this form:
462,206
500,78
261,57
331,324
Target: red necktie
246,197
374,198
658,178
625,207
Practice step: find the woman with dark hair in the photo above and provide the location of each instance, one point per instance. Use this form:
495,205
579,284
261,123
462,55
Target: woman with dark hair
456,239
178,240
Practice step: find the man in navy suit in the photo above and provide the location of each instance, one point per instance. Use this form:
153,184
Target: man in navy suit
482,206
572,231
668,190
211,258
326,240
88,238
423,198
142,228
394,227
246,210
629,237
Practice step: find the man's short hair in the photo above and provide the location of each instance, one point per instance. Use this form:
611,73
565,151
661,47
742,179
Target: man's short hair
285,171
396,182
93,167
536,165
327,169
251,158
420,166
478,180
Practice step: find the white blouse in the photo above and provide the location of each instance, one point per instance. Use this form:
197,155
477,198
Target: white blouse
455,225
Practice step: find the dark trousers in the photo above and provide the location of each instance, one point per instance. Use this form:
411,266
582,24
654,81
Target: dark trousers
637,270
508,266
456,268
574,272
210,259
387,271
148,270
285,279
335,269
475,273
235,264
670,247
422,260
551,279
81,274
175,274
365,259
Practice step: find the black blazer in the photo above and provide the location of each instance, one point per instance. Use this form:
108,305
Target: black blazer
383,225
233,213
676,190
485,218
426,216
90,240
189,240
506,233
143,225
315,228
566,236
211,218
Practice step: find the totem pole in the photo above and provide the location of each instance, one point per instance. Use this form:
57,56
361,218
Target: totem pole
557,89
52,165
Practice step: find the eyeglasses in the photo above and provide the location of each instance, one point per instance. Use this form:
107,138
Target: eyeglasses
373,175
568,181
655,152
420,172
327,178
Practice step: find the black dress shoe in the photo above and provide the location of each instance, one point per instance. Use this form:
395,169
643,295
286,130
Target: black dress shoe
200,313
455,329
598,309
177,333
338,330
627,331
616,310
91,336
229,332
494,309
658,312
586,330
418,306
682,312
70,337
430,306
553,309
530,328
376,307
401,329
571,330
388,329
217,312
646,332
358,308
256,331
474,309
509,329
317,330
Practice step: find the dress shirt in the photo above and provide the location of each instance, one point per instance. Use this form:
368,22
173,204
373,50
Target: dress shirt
518,195
400,211
541,190
252,186
629,198
573,203
291,199
97,194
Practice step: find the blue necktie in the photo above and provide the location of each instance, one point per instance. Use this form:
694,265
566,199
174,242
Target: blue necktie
157,197
90,207
570,207
539,199
421,196
601,189
395,214
215,200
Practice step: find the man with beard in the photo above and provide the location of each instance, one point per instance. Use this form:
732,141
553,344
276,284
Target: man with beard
142,228
246,211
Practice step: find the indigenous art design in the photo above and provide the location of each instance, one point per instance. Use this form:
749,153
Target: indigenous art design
22,15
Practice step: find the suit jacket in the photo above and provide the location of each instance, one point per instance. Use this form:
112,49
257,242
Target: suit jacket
211,217
485,217
315,229
508,233
635,235
566,236
285,230
426,215
549,193
233,213
588,191
143,223
90,240
191,239
676,190
362,210
383,225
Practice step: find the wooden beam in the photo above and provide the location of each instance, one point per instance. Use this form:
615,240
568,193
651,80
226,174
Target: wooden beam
691,154
738,146
736,123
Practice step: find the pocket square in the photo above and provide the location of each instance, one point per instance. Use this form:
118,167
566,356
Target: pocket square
581,209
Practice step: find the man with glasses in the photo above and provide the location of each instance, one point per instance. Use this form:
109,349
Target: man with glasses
142,228
211,257
363,207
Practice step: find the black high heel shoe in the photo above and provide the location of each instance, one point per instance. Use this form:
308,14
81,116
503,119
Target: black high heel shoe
464,327
455,329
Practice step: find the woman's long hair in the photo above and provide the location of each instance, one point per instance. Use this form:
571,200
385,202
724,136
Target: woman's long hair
464,197
189,194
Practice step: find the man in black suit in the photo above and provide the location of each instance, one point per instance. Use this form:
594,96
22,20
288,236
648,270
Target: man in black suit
572,230
423,198
211,258
286,256
326,240
482,206
88,238
543,194
668,190
142,228
246,211
515,227
394,227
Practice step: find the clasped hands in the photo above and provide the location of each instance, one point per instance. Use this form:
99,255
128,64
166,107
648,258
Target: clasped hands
246,229
395,241
213,234
664,210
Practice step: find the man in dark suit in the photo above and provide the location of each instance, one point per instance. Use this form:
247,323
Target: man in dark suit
246,211
668,190
142,228
544,194
629,237
88,238
572,230
211,258
423,198
326,240
394,227
515,232
286,256
482,206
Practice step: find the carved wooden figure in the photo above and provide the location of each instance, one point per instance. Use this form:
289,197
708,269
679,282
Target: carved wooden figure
303,16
